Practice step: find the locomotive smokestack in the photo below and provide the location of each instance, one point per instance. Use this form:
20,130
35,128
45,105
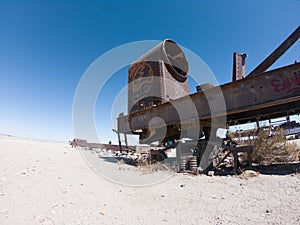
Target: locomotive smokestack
157,77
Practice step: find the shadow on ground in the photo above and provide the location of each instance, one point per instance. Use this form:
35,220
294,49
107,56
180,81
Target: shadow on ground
116,159
273,169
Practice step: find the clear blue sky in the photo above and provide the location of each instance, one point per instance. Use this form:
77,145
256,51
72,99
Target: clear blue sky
46,46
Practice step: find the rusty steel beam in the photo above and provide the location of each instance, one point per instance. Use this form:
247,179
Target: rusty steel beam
271,59
239,66
112,147
269,95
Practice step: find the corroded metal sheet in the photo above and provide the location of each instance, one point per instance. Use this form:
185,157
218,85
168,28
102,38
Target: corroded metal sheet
157,77
270,94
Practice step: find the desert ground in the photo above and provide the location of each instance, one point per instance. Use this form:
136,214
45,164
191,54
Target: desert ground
43,182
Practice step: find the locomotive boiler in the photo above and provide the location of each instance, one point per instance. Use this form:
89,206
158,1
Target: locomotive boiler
157,77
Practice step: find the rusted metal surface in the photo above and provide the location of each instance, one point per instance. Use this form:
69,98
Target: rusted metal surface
239,66
84,144
261,95
157,77
277,53
268,95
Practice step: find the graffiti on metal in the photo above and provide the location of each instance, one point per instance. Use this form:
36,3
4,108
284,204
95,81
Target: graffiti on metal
287,84
140,70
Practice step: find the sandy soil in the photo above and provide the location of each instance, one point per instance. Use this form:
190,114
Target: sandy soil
45,182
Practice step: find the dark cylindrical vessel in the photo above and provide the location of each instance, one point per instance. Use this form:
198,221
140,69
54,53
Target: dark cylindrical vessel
157,77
